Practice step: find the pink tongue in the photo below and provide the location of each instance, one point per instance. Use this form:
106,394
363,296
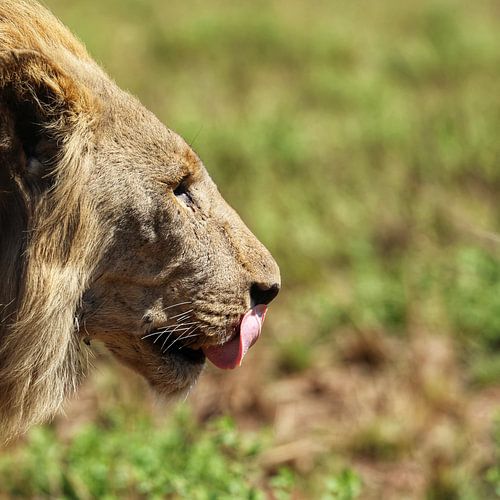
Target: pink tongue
230,355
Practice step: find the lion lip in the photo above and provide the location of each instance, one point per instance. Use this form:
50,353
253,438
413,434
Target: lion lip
190,354
193,356
230,354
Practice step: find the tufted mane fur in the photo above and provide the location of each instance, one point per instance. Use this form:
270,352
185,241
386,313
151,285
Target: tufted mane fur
27,25
49,235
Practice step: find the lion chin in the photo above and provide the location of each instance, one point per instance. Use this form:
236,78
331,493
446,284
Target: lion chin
111,231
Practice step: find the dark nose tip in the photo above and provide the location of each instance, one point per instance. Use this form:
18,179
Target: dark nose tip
263,294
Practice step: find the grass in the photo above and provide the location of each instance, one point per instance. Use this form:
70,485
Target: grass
151,463
360,142
178,460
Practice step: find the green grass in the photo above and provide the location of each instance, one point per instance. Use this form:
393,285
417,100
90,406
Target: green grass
155,464
129,456
359,140
180,463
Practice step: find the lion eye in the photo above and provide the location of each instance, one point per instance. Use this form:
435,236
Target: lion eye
183,195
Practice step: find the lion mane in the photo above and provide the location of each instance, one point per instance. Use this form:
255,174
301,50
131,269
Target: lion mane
48,243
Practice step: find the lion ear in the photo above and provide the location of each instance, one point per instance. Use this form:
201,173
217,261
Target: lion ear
41,101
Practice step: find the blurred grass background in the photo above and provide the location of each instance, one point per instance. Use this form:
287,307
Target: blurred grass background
359,141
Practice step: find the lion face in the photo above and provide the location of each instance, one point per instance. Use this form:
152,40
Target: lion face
111,229
181,269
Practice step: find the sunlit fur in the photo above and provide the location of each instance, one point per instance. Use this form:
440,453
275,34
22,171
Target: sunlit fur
47,244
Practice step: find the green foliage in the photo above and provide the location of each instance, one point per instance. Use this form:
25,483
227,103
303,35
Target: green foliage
132,457
283,483
384,440
493,473
345,486
484,368
179,461
474,296
294,355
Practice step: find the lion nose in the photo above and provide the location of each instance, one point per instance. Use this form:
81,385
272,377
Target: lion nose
263,293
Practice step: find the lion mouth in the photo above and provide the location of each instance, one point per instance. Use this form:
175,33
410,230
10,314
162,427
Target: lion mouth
183,353
192,356
230,354
227,355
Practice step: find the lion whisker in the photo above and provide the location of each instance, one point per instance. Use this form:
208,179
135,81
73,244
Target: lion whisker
189,324
172,343
178,304
177,328
182,337
170,328
165,341
191,336
158,334
158,337
162,332
190,330
151,334
182,314
186,333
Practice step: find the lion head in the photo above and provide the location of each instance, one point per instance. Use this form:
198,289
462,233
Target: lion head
111,230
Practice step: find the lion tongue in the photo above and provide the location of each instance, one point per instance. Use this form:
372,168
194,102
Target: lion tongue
230,355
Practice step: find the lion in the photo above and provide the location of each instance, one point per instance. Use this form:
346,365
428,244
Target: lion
111,230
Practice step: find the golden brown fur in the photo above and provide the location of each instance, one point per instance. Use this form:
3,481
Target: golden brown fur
95,243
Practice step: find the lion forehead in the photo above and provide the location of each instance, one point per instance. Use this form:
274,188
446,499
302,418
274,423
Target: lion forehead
132,137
